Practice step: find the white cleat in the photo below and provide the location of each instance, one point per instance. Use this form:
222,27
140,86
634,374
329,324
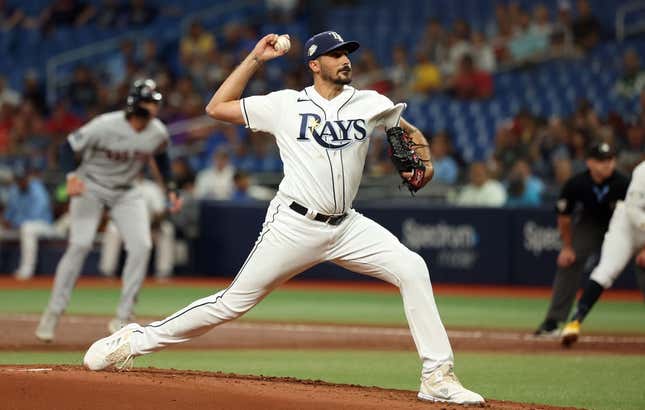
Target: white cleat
443,386
47,327
111,351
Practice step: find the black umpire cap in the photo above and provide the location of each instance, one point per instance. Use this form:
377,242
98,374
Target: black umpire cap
601,151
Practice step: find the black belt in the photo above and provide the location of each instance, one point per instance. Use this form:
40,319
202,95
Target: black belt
330,219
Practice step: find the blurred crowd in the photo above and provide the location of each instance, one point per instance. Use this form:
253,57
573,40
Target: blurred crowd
76,13
532,155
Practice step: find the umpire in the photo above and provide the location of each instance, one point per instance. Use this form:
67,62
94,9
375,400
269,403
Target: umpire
584,209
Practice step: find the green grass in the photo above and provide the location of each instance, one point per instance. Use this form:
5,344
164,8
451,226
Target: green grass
595,382
340,307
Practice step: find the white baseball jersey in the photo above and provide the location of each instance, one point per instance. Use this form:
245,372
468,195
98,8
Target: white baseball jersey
323,143
113,152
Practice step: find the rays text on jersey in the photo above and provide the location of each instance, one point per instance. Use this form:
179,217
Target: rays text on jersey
331,134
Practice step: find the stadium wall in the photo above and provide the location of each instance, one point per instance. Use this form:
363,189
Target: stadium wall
498,246
461,245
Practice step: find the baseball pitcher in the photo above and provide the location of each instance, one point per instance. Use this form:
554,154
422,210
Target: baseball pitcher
102,159
323,133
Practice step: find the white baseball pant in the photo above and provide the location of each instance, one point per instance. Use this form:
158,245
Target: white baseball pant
128,211
621,242
290,243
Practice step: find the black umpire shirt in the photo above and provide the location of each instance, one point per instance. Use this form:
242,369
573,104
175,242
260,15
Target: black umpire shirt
589,203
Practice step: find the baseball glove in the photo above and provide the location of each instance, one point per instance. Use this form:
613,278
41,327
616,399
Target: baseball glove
404,157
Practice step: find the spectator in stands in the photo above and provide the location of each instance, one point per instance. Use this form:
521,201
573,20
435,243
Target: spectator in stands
10,17
209,72
64,13
263,154
641,115
509,148
34,92
377,162
481,190
562,171
110,15
426,76
459,45
242,182
370,75
399,73
561,41
471,83
259,83
632,80
139,13
151,62
524,189
116,66
62,121
216,182
82,91
183,174
28,210
500,32
578,150
27,137
7,118
217,137
196,44
528,44
282,11
483,53
634,152
541,24
586,28
446,169
8,95
434,42
547,144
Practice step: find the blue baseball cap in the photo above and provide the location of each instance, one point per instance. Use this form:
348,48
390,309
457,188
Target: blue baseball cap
325,42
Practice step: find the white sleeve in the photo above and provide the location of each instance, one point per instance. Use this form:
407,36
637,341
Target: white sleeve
635,199
388,114
393,117
262,112
84,136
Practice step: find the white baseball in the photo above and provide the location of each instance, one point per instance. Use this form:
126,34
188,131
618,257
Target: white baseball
282,43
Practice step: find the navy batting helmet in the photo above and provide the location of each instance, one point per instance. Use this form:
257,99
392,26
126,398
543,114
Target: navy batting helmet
142,91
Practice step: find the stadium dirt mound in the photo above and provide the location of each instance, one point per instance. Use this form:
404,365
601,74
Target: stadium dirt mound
43,387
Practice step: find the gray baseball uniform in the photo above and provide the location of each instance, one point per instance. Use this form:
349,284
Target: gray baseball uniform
113,153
